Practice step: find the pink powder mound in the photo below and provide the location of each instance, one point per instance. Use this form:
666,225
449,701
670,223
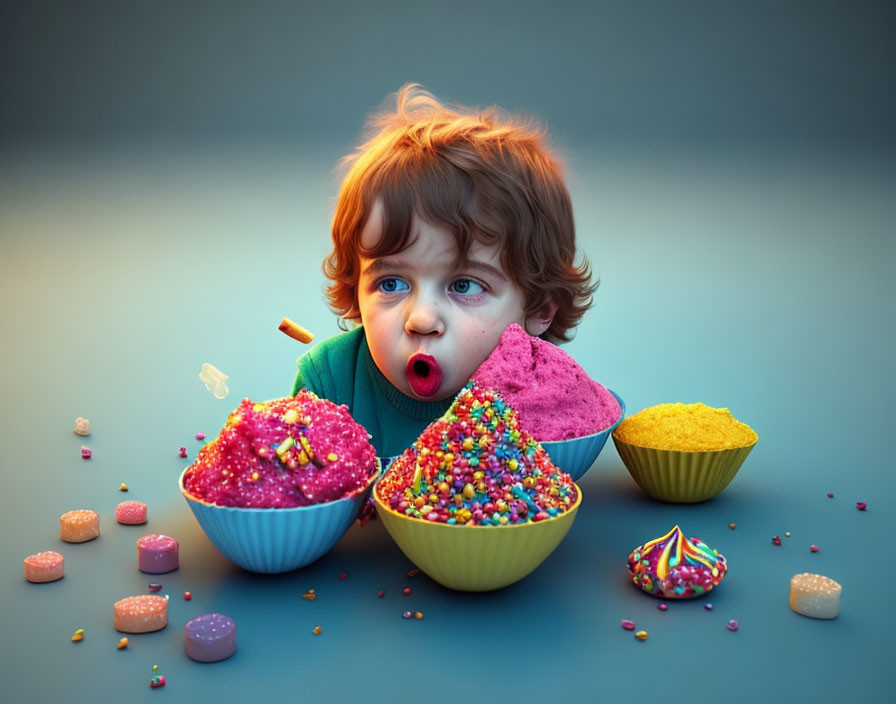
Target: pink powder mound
554,396
284,453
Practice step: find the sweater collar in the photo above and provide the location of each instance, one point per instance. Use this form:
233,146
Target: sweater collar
410,407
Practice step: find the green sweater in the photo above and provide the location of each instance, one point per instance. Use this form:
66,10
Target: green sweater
341,369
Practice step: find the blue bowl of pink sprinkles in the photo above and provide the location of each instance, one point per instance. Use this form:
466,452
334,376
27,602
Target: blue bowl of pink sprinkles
275,540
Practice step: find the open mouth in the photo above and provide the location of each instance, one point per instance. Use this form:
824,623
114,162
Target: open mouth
424,375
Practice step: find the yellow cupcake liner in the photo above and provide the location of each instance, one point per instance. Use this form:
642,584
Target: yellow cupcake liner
681,477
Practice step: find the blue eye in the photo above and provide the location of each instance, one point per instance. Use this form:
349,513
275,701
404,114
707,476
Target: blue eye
466,287
392,285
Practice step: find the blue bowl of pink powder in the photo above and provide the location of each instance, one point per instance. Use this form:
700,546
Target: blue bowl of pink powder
575,456
274,540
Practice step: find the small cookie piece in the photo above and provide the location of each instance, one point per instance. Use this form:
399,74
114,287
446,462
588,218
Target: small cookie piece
157,554
79,526
130,513
44,567
210,637
141,614
815,596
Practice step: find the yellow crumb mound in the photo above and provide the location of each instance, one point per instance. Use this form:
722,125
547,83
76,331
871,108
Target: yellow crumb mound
688,427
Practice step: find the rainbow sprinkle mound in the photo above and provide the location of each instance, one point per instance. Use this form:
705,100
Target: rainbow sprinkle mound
676,567
475,466
289,452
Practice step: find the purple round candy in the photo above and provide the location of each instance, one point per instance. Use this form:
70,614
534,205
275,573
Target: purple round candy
157,554
210,637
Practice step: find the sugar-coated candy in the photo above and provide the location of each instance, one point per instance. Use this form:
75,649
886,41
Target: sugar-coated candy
210,637
131,513
79,526
815,596
157,554
141,614
214,380
82,426
44,567
676,567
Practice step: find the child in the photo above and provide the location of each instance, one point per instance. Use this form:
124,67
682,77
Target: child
449,227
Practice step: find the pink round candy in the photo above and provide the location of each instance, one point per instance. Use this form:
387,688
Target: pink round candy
157,554
130,513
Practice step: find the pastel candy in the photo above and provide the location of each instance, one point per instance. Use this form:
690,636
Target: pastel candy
815,596
141,614
130,513
210,637
157,554
44,567
79,526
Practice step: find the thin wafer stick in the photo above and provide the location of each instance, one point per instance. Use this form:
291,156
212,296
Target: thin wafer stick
296,331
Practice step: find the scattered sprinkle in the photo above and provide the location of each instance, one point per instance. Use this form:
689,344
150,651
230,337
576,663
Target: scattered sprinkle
406,591
708,607
123,487
85,452
122,643
787,534
661,606
182,451
813,548
310,595
200,436
861,505
732,526
78,635
776,540
155,587
317,630
381,593
418,615
343,575
413,573
830,495
641,635
408,614
82,426
155,668
733,625
188,596
158,681
628,625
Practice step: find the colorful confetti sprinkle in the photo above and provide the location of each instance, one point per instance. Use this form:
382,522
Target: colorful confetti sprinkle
381,593
78,635
628,625
641,635
123,487
122,643
85,452
813,548
188,596
733,625
310,595
317,630
861,505
662,607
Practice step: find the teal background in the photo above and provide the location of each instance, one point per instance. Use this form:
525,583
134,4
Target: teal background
166,186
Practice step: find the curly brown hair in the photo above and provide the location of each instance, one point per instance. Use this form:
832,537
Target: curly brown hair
484,176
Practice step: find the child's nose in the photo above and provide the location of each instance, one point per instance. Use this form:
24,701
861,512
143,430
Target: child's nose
424,318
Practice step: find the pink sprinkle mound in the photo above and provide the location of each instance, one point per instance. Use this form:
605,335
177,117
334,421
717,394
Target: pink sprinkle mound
284,453
130,513
555,397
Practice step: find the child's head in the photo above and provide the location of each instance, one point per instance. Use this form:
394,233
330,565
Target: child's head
449,226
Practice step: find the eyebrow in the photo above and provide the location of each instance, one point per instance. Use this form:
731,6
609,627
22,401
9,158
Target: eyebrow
389,264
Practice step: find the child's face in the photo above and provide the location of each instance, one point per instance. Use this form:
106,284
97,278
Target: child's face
429,325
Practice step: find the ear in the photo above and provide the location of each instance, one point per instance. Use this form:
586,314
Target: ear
540,320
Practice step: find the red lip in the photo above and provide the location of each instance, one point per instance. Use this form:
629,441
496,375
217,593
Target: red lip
423,374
